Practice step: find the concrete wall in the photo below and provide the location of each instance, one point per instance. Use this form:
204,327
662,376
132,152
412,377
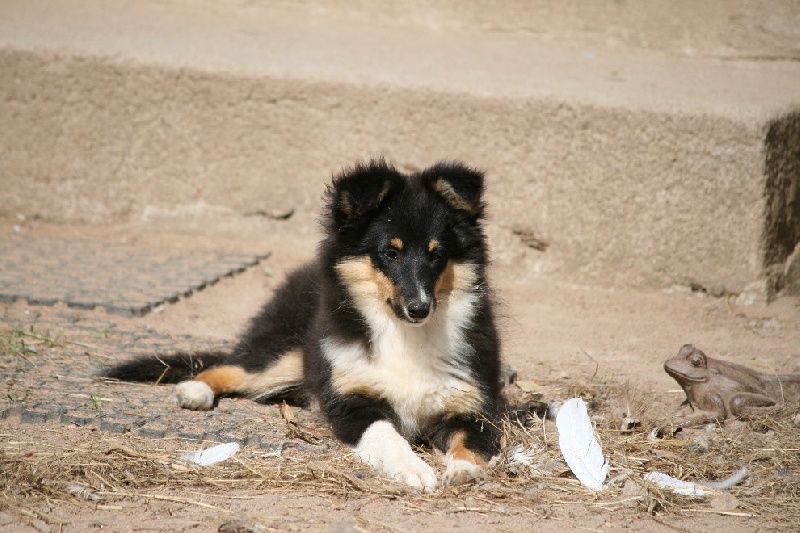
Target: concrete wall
628,170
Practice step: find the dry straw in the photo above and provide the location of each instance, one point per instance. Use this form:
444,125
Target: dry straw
528,478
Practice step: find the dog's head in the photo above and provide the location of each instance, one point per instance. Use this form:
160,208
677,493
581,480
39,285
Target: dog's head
406,241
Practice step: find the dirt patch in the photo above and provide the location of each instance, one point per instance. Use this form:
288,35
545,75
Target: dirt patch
58,476
607,346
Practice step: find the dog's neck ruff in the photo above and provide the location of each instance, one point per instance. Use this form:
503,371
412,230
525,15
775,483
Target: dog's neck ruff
421,370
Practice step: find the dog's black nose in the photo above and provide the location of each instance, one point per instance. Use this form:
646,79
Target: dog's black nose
418,309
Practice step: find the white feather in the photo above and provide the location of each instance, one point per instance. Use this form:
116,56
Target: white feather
519,456
686,488
215,454
579,446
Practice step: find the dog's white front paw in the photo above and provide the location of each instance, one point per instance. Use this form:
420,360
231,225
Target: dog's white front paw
459,471
412,471
194,395
390,454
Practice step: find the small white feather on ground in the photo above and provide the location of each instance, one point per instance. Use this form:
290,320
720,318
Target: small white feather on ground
518,455
685,488
213,455
699,488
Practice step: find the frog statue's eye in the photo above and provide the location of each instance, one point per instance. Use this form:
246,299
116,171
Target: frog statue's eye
697,360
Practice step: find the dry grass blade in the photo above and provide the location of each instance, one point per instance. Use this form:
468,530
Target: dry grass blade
766,443
166,499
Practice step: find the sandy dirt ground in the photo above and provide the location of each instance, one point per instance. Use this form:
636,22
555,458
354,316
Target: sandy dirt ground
608,344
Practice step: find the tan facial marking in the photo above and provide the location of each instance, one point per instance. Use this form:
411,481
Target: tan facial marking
364,282
456,276
458,451
396,243
444,285
433,245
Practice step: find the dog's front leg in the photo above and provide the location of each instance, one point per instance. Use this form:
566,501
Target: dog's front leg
363,422
468,446
389,453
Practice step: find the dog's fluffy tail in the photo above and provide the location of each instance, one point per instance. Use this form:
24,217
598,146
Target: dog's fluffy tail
168,368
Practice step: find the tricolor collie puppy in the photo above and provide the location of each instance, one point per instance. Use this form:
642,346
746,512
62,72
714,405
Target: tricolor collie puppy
391,329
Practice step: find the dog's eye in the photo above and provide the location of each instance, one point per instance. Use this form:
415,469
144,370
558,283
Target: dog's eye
434,256
390,254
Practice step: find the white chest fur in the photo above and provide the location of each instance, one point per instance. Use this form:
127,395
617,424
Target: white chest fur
420,370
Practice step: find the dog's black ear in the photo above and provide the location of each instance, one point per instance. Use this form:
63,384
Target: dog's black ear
460,186
361,190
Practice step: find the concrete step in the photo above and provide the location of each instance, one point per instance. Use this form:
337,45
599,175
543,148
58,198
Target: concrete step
613,165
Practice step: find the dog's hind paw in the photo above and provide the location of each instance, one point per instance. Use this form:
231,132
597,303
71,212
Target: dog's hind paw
194,395
458,471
